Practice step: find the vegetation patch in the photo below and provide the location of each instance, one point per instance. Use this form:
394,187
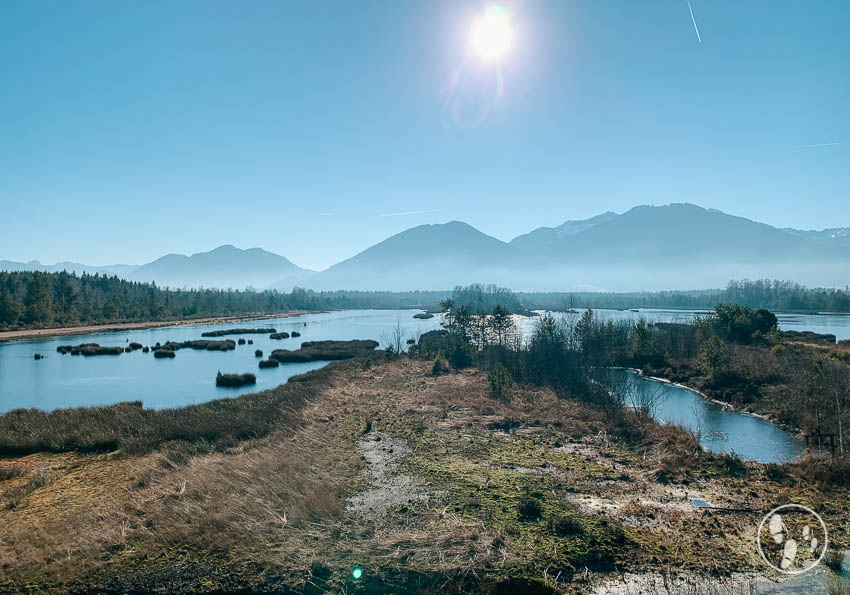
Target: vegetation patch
279,336
235,379
312,351
239,331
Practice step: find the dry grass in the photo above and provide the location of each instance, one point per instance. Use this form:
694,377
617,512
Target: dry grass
270,512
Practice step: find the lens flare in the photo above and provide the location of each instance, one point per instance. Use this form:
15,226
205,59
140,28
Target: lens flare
491,34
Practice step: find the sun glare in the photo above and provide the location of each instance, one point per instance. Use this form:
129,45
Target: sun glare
490,37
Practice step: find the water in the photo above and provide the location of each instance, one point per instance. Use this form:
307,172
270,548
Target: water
718,429
835,324
72,381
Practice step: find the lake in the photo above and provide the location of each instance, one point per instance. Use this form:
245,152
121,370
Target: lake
73,381
835,324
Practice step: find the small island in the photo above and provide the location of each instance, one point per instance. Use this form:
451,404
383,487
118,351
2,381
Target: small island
235,380
239,331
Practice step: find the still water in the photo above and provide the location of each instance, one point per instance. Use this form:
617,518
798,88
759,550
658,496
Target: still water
72,381
718,429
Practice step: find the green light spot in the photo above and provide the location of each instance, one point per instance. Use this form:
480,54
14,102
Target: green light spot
358,572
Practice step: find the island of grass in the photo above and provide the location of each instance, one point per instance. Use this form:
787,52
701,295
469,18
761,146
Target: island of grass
423,316
89,349
164,353
269,363
239,331
314,351
278,336
235,379
200,345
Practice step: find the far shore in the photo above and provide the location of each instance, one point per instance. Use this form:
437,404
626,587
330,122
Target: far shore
131,326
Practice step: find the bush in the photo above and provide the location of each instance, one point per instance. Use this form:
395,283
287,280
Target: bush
134,346
241,341
269,363
296,334
440,366
461,354
258,353
37,356
501,382
235,379
163,353
566,526
530,508
146,349
278,336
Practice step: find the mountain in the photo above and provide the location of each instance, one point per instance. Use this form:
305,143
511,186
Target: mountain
544,237
425,257
675,246
224,267
122,270
835,236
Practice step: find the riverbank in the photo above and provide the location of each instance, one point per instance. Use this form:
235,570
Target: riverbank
424,483
130,326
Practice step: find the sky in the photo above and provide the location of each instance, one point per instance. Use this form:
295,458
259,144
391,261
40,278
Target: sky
129,130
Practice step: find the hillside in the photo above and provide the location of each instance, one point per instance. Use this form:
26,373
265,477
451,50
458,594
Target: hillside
424,257
226,266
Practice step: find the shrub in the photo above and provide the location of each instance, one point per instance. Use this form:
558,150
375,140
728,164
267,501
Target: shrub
440,366
146,349
134,346
278,336
566,526
258,353
530,508
296,334
269,363
501,382
461,354
241,341
37,356
235,379
250,341
163,353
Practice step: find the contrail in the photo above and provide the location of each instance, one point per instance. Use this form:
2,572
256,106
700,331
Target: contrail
817,145
694,21
407,213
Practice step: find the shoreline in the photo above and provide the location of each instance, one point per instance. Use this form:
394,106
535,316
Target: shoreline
134,326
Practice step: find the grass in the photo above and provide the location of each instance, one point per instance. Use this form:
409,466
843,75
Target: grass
312,351
235,380
130,428
270,511
239,331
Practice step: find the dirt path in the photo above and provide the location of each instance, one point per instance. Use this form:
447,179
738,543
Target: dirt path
130,326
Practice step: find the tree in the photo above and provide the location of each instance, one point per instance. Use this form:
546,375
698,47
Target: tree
713,357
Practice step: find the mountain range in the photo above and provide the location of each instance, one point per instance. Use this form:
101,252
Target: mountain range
677,246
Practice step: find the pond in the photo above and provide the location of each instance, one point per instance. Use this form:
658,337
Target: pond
718,429
72,381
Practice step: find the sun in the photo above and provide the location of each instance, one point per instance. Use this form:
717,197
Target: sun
491,35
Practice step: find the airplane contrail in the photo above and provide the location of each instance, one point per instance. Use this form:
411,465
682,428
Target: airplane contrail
407,213
694,21
817,145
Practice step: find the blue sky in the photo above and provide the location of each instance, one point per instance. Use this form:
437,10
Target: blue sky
132,129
